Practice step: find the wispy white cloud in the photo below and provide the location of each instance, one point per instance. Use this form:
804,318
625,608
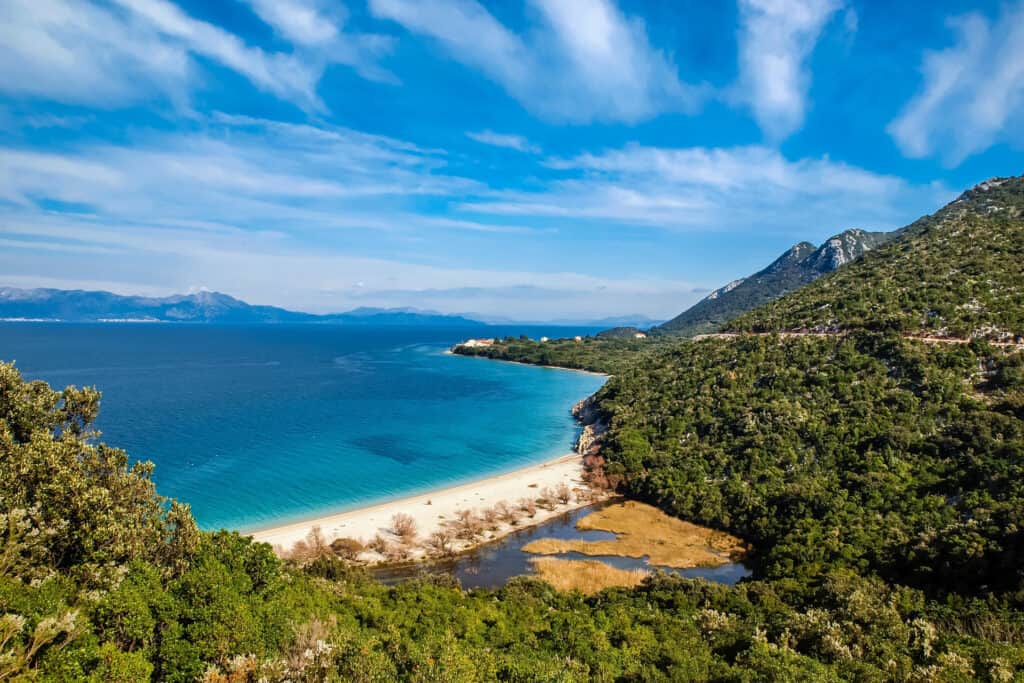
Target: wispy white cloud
77,52
776,38
752,188
316,29
516,142
585,60
973,91
109,55
300,21
272,211
284,75
239,170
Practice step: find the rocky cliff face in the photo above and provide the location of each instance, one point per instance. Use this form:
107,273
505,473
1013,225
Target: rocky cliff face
593,427
845,247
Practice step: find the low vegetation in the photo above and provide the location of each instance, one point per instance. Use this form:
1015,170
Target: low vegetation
645,531
585,576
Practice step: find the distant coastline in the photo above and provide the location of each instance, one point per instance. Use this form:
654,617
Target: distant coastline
595,373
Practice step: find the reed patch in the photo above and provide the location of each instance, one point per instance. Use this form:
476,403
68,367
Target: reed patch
645,531
585,576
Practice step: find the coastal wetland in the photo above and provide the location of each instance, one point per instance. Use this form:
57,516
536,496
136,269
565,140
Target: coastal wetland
591,548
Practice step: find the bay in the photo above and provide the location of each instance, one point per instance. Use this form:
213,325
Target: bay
260,425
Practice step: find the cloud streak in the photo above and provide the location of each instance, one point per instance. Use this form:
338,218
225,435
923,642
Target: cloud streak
130,51
583,61
715,189
776,38
973,91
516,142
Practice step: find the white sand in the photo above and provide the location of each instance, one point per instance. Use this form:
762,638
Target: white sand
432,510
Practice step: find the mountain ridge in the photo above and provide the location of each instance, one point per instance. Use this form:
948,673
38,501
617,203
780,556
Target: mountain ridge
203,307
797,266
954,273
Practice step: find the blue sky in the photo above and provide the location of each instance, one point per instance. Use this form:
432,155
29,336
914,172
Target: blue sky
536,160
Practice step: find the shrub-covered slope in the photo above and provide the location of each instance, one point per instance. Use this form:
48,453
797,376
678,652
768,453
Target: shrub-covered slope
884,455
801,264
956,273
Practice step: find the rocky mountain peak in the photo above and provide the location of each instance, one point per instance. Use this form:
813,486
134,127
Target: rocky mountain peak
843,248
794,255
992,196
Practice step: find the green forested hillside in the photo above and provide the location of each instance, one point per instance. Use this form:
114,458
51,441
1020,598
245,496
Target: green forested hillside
100,581
957,273
596,354
887,456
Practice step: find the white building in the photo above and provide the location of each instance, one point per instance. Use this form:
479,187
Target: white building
477,342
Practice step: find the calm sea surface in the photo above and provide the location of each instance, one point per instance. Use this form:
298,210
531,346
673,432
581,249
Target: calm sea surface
258,425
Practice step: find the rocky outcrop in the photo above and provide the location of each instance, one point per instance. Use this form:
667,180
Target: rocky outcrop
590,439
799,265
587,412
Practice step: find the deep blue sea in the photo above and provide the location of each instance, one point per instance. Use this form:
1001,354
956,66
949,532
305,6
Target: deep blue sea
255,425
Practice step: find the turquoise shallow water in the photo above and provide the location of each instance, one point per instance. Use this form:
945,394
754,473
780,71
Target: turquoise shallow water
259,425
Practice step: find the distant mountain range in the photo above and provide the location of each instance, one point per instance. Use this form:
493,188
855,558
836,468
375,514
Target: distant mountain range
800,265
200,307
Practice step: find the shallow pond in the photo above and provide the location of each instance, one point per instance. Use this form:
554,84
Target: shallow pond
492,565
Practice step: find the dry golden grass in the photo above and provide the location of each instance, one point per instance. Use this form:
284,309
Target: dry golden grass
645,530
585,576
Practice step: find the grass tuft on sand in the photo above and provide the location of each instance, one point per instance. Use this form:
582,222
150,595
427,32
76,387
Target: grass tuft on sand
645,530
585,576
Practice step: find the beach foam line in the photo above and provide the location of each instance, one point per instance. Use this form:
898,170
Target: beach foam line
431,510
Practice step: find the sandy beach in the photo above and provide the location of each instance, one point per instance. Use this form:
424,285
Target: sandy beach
431,511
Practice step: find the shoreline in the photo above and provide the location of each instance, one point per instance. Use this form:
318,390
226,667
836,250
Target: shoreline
529,365
437,510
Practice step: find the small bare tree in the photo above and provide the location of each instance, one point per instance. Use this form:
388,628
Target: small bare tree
379,544
563,493
492,520
440,542
468,526
529,506
404,527
311,547
507,513
317,543
347,548
547,499
299,551
397,553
